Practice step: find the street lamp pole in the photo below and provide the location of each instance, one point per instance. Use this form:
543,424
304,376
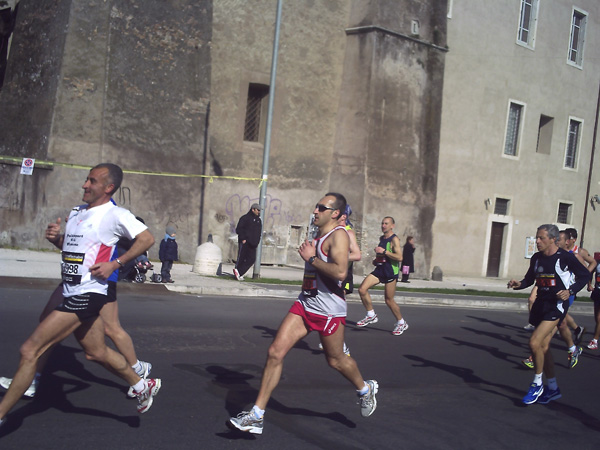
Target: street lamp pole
263,187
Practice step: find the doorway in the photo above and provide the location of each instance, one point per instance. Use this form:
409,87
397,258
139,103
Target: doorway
495,251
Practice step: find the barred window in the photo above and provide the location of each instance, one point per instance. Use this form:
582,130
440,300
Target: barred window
255,110
512,129
501,206
572,143
564,213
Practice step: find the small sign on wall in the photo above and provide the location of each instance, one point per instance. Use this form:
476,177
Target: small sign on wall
27,166
530,247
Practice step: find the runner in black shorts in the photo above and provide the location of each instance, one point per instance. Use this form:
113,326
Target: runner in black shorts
88,305
552,270
387,261
88,243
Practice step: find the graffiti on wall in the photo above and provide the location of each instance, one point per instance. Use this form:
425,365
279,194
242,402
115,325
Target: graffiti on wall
275,214
123,195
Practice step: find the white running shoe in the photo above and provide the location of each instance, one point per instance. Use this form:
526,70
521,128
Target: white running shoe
237,275
30,392
346,350
143,373
146,397
247,421
368,402
367,320
400,328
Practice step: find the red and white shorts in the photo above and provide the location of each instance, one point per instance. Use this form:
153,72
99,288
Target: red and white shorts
324,325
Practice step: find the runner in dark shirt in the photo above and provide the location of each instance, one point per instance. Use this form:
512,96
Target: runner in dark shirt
557,274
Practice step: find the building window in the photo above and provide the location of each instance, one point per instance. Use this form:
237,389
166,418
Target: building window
256,110
8,15
544,141
501,206
515,113
527,23
577,39
564,213
573,135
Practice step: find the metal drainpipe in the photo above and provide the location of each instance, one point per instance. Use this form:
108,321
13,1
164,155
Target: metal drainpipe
587,192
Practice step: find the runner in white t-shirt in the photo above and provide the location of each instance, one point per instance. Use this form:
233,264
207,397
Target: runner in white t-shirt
87,287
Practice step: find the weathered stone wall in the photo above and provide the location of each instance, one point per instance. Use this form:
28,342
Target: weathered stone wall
310,64
387,138
350,111
121,81
26,111
162,87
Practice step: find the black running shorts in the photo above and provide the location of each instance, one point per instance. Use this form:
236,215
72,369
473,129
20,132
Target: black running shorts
87,306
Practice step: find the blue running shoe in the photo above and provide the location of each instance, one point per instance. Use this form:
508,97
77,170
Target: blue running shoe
549,395
533,394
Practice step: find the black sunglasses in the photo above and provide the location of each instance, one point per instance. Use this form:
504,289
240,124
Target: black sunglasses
323,208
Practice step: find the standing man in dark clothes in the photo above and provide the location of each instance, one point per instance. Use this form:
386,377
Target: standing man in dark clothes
408,259
249,229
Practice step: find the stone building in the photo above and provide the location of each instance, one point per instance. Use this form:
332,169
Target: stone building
518,127
164,88
402,105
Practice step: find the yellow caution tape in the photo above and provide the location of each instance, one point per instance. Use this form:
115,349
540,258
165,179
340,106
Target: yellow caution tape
18,161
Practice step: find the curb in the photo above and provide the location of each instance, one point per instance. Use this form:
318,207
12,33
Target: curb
517,306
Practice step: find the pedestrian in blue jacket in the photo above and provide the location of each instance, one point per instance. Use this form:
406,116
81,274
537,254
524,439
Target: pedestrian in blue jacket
167,254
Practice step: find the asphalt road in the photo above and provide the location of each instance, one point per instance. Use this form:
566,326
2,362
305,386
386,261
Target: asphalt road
452,381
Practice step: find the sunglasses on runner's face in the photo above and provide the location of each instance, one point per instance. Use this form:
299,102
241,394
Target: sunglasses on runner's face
323,208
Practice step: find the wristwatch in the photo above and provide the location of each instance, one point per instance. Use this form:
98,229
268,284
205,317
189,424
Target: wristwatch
119,262
311,260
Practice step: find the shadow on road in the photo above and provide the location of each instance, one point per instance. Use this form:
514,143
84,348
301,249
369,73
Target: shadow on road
234,379
53,391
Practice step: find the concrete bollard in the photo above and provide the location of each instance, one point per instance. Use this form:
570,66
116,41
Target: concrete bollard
208,259
436,274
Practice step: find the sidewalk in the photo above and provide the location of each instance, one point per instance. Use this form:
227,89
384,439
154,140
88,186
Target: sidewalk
36,264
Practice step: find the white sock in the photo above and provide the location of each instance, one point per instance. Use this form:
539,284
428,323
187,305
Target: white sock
371,313
572,349
552,383
364,390
537,379
137,367
595,341
139,386
401,322
258,413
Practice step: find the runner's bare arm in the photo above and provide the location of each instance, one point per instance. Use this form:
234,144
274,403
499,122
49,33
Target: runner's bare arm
585,258
396,253
336,247
589,260
355,254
